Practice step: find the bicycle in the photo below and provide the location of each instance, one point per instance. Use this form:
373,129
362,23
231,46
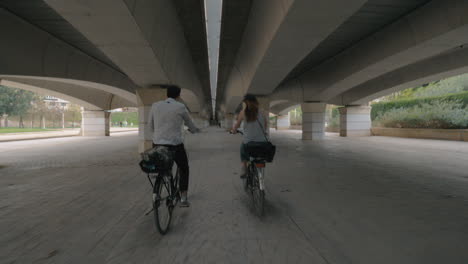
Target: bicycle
166,192
254,182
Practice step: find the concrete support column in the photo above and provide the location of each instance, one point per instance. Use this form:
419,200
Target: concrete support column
313,120
200,120
94,123
63,120
43,122
264,103
145,98
283,122
355,121
228,121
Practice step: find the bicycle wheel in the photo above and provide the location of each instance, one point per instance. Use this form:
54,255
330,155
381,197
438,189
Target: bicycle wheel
162,204
258,195
247,179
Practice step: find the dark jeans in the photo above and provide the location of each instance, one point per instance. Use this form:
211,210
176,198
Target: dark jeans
243,154
182,163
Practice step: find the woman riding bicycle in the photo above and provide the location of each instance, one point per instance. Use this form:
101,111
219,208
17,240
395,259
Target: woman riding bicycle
254,126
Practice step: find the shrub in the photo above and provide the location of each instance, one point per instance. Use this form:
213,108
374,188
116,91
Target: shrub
429,114
334,118
378,109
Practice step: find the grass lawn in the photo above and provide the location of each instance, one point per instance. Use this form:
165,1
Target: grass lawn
20,130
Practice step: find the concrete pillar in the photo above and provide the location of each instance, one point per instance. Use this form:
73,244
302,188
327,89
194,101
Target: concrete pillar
43,122
63,120
355,121
313,120
228,121
264,103
200,120
283,122
94,123
145,98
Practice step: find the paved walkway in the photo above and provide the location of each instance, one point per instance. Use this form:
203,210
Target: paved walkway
4,137
365,200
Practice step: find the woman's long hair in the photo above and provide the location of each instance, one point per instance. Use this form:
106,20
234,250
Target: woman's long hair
251,107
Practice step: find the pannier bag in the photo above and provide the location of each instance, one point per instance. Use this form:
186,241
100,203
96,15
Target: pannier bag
267,149
263,150
157,159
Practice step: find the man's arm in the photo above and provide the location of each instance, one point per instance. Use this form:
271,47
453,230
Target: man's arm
189,122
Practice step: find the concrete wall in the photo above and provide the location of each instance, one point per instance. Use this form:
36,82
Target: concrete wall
444,134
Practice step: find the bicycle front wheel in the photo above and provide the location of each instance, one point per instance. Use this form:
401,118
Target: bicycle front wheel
162,204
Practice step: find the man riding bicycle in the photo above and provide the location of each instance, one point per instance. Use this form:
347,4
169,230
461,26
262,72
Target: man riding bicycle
166,120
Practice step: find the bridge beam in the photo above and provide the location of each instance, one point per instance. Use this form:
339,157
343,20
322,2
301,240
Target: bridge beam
145,39
277,36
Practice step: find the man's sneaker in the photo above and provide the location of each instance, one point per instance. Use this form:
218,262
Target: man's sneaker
184,202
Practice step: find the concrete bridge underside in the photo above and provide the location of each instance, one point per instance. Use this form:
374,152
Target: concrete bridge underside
334,52
297,52
99,54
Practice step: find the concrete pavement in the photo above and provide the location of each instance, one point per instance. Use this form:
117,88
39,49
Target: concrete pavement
340,200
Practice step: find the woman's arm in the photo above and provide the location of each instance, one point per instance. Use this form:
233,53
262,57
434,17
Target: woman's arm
236,126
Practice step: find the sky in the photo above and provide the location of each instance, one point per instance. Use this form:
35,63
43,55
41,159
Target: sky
213,27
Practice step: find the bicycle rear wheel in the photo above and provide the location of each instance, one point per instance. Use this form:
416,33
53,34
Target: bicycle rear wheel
162,204
258,195
246,181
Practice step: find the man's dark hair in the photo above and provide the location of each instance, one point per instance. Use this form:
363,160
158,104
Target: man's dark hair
173,91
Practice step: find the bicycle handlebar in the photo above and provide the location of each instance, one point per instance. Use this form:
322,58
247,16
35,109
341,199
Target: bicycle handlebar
238,131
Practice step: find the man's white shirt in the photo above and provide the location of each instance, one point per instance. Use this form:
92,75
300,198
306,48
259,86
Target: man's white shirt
166,120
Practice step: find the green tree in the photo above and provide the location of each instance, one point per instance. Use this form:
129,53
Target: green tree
14,102
447,86
38,108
